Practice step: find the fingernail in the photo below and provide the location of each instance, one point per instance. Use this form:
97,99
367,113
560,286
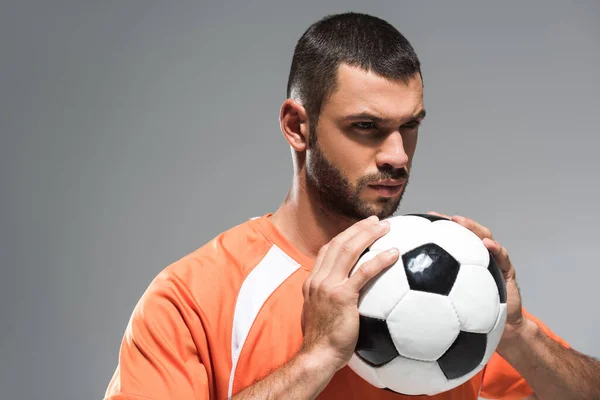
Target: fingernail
384,222
393,251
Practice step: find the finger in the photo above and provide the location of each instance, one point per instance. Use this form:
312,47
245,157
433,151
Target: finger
439,214
499,253
347,255
475,227
371,268
339,243
314,271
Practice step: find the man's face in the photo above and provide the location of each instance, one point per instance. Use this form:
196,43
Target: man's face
366,137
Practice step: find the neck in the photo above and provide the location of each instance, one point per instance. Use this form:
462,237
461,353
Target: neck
304,221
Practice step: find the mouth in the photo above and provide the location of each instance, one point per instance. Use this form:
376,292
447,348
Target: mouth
387,189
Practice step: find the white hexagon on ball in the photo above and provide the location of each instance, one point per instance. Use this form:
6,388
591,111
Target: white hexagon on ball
406,232
466,247
475,299
423,325
386,289
493,338
428,327
406,376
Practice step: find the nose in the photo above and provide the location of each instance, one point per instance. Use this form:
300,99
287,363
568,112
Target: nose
392,153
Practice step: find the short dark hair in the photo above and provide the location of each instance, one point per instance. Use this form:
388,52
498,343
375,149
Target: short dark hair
356,39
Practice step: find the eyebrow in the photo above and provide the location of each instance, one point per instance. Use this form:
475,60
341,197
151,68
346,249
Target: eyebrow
365,115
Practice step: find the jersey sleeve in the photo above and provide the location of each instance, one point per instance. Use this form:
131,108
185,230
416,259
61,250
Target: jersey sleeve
502,381
159,358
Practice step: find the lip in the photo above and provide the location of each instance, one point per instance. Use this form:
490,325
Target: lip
388,182
386,189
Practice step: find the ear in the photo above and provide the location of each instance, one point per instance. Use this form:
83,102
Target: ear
293,121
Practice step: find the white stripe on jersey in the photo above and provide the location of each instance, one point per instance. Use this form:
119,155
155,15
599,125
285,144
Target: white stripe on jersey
275,267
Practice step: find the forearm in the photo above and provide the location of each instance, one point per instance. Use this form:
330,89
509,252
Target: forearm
553,371
303,377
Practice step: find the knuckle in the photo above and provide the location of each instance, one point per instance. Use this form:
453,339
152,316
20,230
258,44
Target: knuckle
366,269
338,297
323,250
331,292
305,287
383,260
335,242
326,287
346,248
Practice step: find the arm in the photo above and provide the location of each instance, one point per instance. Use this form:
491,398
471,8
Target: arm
330,319
303,377
158,358
552,370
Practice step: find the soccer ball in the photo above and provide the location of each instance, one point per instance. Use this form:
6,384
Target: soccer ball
431,321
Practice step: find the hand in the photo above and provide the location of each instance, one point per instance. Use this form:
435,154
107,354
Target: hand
330,318
514,321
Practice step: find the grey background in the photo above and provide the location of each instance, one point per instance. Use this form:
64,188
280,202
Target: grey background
132,132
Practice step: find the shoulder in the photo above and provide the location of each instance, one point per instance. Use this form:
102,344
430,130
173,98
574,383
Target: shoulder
219,266
232,249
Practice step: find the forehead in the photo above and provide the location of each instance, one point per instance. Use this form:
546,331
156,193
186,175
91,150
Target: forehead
360,91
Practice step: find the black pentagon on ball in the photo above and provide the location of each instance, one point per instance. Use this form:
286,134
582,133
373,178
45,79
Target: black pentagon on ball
464,355
375,345
430,217
430,268
498,278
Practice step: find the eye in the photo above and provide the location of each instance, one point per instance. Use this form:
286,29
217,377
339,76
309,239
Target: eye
412,124
364,126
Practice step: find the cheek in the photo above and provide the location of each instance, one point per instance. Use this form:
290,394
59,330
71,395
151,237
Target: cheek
353,163
359,168
351,158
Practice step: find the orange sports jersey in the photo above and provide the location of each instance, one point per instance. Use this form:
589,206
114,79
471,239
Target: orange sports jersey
228,314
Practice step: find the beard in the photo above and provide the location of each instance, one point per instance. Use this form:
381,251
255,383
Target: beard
338,195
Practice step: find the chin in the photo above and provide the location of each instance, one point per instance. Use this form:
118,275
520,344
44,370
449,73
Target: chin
382,211
388,208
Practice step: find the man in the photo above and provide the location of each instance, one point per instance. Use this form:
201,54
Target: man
267,310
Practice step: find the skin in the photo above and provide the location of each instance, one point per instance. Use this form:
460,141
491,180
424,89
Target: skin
359,156
554,372
332,215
